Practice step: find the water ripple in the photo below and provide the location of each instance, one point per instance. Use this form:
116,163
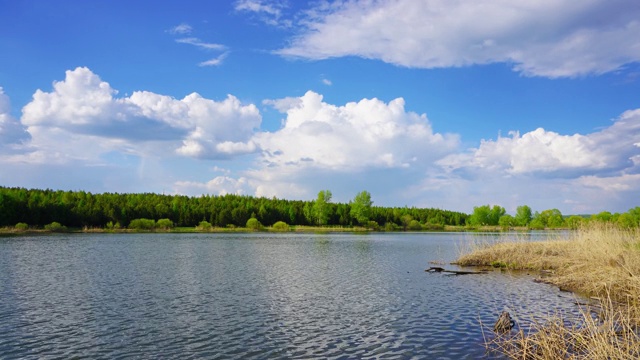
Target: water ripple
254,296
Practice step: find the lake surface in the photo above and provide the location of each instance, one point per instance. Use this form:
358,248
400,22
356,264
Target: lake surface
257,295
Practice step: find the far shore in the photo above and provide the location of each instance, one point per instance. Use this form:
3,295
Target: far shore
292,229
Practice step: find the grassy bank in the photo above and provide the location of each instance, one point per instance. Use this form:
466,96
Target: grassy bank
598,261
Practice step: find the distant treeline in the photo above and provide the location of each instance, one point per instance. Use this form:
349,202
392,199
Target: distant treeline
79,209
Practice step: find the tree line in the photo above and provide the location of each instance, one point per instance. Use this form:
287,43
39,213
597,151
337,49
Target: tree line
487,215
38,208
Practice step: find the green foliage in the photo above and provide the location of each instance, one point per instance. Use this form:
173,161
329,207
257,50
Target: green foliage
320,209
391,226
414,225
281,226
55,227
164,224
551,218
142,224
486,215
406,220
111,226
574,221
373,225
22,226
204,225
361,207
604,216
506,221
79,209
254,224
523,215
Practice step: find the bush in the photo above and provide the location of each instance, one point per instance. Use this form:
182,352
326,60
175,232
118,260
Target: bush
142,224
391,226
164,224
111,226
55,227
415,225
281,226
22,226
254,224
373,225
204,225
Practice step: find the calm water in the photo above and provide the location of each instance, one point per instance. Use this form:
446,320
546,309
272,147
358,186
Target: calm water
251,296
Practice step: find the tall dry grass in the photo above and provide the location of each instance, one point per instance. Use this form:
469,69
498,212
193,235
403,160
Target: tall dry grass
595,260
601,261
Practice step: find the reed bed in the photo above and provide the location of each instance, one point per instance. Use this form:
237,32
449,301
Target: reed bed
600,261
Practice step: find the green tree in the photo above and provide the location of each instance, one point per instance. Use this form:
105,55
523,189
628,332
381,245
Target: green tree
414,225
55,227
523,215
164,224
486,215
280,226
254,224
574,221
321,207
506,221
204,225
142,224
361,207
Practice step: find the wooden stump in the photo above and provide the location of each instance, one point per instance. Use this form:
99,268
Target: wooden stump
504,323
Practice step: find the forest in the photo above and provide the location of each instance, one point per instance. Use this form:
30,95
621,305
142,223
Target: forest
78,209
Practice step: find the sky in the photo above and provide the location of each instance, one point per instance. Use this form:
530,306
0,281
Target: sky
446,104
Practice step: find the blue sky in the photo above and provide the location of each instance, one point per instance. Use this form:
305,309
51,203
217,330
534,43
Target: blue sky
434,103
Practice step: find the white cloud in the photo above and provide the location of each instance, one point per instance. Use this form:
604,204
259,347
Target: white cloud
181,29
269,12
560,38
12,133
201,44
369,133
327,82
82,118
220,185
217,61
541,151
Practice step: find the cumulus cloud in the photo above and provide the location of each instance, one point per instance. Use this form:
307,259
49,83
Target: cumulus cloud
12,133
368,133
540,151
84,110
579,173
220,185
562,38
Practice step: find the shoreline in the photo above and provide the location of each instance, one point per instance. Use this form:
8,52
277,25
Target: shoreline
292,229
599,262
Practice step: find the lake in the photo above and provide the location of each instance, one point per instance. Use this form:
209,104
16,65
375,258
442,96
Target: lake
257,295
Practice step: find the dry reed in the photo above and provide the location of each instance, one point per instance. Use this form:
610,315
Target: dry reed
601,261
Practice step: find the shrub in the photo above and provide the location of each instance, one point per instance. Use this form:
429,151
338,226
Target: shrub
111,226
164,224
373,225
55,227
254,224
142,224
414,225
391,226
281,226
204,225
22,226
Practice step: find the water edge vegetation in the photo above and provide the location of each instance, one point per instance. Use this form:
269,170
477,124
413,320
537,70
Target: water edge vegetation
601,261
